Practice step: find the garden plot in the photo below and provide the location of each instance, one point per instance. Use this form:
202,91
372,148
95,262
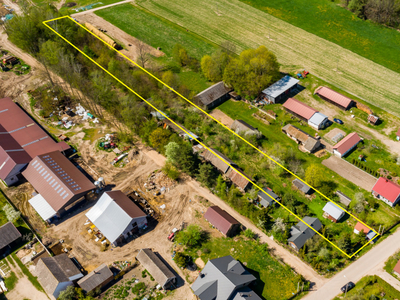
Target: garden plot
248,27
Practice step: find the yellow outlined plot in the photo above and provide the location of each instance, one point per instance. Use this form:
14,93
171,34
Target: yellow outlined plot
200,109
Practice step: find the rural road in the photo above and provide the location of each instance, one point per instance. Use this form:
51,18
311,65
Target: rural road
98,8
370,263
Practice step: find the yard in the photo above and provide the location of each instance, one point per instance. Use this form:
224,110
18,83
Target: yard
391,263
372,287
249,27
154,30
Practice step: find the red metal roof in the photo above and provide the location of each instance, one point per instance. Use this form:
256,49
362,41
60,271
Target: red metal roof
21,137
398,132
334,96
347,143
220,219
362,228
397,267
387,189
57,179
299,108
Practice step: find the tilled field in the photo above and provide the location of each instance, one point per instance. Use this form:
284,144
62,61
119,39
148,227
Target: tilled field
248,27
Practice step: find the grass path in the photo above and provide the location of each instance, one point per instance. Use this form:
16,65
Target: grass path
249,27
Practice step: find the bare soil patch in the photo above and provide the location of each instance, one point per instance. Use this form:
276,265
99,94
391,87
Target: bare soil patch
331,134
222,117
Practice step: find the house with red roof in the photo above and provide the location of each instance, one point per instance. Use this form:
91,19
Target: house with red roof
398,135
334,97
387,191
360,227
346,144
396,269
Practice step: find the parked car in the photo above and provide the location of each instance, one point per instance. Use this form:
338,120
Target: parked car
338,121
347,287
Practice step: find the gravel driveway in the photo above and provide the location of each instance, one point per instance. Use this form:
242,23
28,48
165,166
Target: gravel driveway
350,172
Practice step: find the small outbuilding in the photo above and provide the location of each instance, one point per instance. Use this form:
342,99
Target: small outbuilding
318,121
239,180
280,89
309,143
301,186
213,96
57,273
346,145
218,160
333,212
360,227
267,197
98,278
396,269
240,126
387,191
334,97
116,216
9,236
157,268
299,109
373,120
222,221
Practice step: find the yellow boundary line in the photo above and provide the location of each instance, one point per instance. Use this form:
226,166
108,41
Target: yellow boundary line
209,149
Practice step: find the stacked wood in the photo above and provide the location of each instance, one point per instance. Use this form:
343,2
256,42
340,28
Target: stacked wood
101,35
364,107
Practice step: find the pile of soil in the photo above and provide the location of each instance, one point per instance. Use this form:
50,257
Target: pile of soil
70,4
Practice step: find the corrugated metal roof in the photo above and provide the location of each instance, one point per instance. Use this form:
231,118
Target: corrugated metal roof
347,143
113,213
43,208
8,234
334,96
373,119
57,179
238,179
217,161
213,93
152,263
317,118
387,189
299,108
333,210
220,219
281,86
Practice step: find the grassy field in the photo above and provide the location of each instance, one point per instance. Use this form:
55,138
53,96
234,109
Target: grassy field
249,27
272,274
371,286
154,30
340,26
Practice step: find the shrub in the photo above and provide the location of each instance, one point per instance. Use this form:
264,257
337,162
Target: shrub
249,233
181,259
206,250
144,274
138,288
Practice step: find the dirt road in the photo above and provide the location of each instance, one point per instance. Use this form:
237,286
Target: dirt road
350,172
98,8
133,51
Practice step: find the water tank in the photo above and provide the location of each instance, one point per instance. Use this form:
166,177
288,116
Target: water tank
101,179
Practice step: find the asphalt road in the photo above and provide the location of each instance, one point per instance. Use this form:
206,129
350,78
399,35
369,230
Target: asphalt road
369,264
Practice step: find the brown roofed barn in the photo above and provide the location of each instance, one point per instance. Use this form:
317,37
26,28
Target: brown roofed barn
213,96
21,140
240,181
334,97
98,278
157,268
299,109
216,161
221,220
58,182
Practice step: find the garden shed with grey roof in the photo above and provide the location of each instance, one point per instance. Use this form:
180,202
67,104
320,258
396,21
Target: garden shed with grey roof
99,277
8,235
213,96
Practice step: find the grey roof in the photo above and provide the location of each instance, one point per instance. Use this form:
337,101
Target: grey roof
220,279
301,232
113,213
370,235
265,195
301,186
317,118
95,278
245,293
333,210
217,161
53,270
280,86
213,93
8,234
242,126
152,263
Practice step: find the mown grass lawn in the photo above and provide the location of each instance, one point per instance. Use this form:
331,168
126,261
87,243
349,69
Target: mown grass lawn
328,20
370,286
155,30
196,82
272,274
